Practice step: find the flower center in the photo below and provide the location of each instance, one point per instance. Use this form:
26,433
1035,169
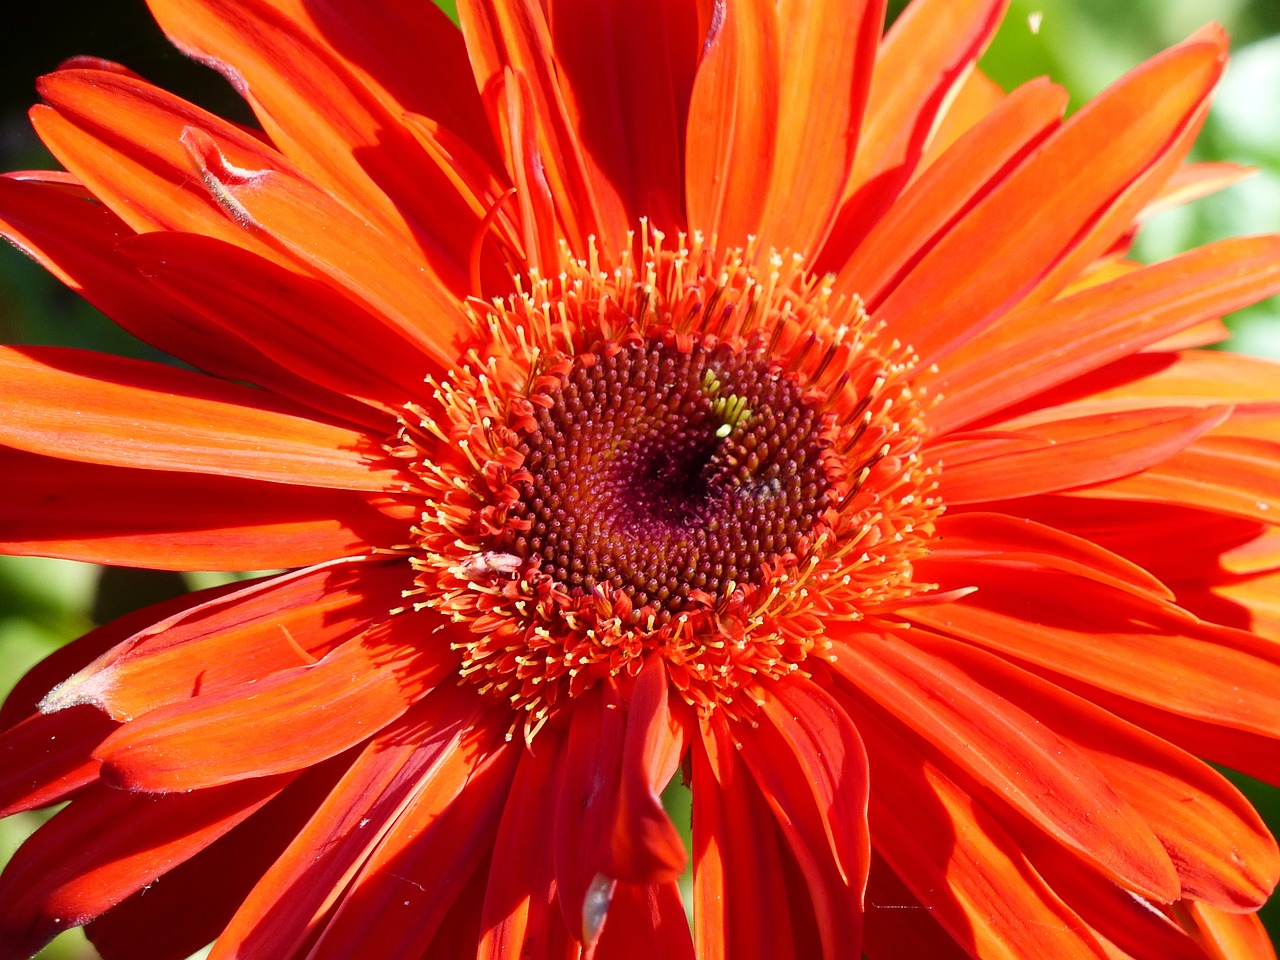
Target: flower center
699,455
669,473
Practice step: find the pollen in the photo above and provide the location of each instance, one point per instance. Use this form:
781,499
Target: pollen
698,454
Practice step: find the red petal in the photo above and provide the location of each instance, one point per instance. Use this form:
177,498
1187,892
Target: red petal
1015,235
1114,641
644,846
945,191
958,861
738,875
75,238
126,413
146,518
105,845
296,320
332,117
1028,352
1220,847
185,908
822,93
1006,750
632,122
407,887
162,164
46,758
997,538
275,625
590,769
520,919
644,923
925,55
1061,454
287,906
513,36
285,721
733,121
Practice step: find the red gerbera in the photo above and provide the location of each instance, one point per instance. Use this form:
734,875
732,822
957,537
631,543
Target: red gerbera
604,412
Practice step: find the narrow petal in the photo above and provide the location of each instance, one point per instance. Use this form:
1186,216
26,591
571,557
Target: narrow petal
285,721
520,918
1218,844
870,259
738,876
144,518
131,143
1026,353
297,321
185,908
1014,236
959,862
77,239
995,537
286,908
105,845
46,758
1066,453
513,35
1005,750
334,119
733,121
1231,475
1114,641
128,413
644,845
632,122
278,624
822,94
925,54
1229,936
406,889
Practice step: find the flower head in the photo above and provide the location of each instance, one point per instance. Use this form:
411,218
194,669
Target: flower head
631,393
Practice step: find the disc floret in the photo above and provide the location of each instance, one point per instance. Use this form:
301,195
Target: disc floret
699,455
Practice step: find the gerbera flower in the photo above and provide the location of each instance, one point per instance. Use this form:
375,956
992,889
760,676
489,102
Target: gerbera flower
634,392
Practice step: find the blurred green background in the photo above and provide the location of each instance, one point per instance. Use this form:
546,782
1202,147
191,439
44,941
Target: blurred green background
1084,44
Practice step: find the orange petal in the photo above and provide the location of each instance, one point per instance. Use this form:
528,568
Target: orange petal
300,323
733,122
981,467
299,65
276,624
631,121
285,721
128,413
105,845
1228,936
1110,639
924,57
1016,234
1028,353
945,191
958,861
160,163
646,922
1191,181
513,35
1005,750
1217,842
143,518
822,94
